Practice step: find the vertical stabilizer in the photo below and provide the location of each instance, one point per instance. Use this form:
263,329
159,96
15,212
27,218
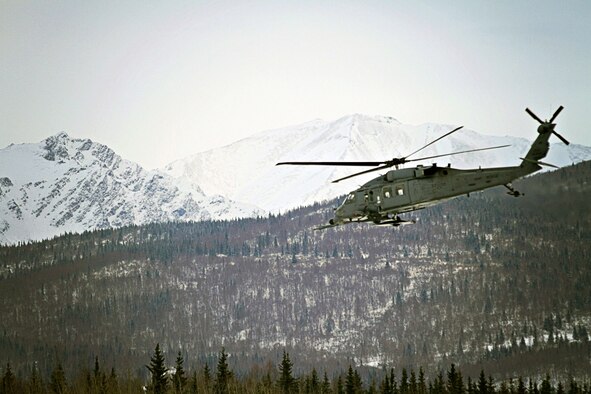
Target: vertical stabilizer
541,146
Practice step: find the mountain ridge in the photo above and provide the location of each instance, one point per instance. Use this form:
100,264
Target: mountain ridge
245,170
65,184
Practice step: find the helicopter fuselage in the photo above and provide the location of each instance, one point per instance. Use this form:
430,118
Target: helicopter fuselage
410,189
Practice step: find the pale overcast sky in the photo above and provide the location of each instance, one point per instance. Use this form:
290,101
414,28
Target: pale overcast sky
157,81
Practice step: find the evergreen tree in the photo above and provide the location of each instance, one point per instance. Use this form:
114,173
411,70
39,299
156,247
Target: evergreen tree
404,389
455,383
99,381
159,381
353,383
179,380
314,381
546,387
57,382
439,384
193,383
35,384
8,381
413,385
385,387
573,387
372,388
325,387
521,386
422,386
583,334
490,386
340,388
112,382
223,374
350,382
358,383
482,384
206,376
393,382
559,388
97,370
286,380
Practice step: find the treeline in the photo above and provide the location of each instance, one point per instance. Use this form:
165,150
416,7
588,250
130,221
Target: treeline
165,242
274,379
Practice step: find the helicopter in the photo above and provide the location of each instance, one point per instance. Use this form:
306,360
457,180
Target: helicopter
382,199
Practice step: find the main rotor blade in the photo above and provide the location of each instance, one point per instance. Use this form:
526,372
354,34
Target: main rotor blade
533,115
432,142
561,137
459,153
556,114
362,172
332,163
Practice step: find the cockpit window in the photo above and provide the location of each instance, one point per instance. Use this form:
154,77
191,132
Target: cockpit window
350,198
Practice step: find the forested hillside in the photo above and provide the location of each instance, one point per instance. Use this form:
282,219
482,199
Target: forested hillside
487,281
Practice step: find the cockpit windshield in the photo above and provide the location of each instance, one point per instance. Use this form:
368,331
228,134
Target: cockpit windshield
350,198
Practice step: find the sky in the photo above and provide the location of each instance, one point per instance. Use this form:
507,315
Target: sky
160,80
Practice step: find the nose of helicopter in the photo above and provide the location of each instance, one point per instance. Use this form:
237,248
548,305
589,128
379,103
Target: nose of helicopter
344,211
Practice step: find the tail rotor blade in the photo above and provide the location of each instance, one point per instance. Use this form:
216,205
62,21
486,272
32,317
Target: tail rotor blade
561,138
556,114
533,115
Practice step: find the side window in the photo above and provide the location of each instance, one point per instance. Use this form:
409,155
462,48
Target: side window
387,191
399,190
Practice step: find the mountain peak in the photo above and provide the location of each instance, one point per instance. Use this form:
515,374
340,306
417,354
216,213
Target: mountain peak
68,184
55,147
253,177
61,135
62,147
359,117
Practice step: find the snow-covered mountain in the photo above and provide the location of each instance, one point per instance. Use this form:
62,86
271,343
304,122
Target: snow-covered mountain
245,171
73,185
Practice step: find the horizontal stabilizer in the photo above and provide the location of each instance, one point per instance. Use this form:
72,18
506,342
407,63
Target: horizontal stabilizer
540,163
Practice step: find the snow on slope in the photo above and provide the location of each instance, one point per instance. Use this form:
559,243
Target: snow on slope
245,170
72,185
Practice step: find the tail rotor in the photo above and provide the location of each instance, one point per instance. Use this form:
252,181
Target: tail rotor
548,124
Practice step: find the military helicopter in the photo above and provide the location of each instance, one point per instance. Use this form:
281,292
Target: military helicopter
381,200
